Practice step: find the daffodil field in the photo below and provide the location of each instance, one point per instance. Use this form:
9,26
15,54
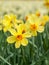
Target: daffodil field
24,32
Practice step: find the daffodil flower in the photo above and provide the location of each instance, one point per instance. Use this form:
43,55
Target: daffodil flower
44,20
10,21
37,13
19,37
46,3
34,26
27,17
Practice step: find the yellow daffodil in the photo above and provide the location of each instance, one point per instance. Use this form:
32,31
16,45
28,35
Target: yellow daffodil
46,3
34,25
19,37
38,13
29,16
9,21
44,20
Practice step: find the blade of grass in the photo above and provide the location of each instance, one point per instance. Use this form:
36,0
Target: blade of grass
5,60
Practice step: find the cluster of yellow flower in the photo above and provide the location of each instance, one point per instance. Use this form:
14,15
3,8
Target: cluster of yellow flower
21,31
46,3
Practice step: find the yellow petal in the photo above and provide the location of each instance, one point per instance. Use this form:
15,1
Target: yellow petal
34,33
17,44
5,29
45,18
6,22
24,42
11,39
20,28
40,29
12,16
12,31
15,26
19,21
6,17
27,34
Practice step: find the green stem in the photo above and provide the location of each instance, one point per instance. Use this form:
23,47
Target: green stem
47,32
23,54
14,56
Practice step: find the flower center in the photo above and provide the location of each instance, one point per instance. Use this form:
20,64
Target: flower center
19,37
26,18
38,14
47,4
33,27
11,21
23,31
